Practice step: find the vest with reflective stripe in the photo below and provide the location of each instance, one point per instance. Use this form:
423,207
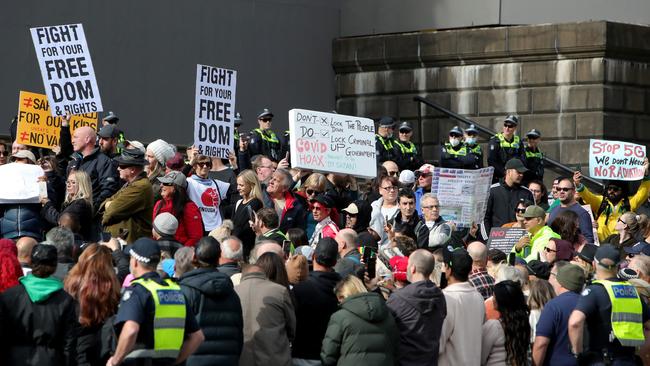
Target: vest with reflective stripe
532,154
168,321
476,149
451,151
627,321
387,143
271,138
505,144
403,147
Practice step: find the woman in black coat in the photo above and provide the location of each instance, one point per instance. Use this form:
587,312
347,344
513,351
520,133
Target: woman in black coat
78,203
249,188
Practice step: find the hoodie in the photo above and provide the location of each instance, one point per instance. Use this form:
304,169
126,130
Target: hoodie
363,332
419,310
39,289
213,300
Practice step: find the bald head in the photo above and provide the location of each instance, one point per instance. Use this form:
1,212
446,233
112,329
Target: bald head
265,247
478,252
24,246
83,139
347,239
421,262
391,167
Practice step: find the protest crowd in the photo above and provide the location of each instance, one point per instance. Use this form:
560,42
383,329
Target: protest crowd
157,255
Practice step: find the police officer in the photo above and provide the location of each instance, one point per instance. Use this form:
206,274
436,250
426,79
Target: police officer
238,122
505,146
406,153
614,314
263,139
534,157
384,141
471,140
111,119
455,154
155,325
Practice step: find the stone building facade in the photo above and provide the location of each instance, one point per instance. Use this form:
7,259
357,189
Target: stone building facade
571,81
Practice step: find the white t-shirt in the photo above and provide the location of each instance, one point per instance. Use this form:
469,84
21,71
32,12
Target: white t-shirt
207,194
390,212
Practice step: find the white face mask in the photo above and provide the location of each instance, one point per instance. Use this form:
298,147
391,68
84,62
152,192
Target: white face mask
470,140
454,141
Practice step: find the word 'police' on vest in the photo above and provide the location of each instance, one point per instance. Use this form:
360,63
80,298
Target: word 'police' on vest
214,110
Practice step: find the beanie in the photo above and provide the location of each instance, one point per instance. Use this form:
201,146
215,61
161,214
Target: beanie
165,224
571,277
161,150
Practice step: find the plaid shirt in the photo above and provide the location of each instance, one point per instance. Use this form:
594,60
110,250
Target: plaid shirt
482,281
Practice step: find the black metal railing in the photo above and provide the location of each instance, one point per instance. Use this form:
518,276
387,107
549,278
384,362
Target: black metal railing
547,161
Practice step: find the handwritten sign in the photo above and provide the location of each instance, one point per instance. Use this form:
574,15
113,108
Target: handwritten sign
214,110
616,160
66,68
463,193
504,239
20,183
37,126
335,143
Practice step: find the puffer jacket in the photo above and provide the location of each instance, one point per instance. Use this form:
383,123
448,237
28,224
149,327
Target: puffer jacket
102,171
362,333
212,298
21,220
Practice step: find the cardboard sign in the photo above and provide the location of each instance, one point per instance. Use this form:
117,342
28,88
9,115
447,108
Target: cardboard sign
20,183
593,223
36,125
214,110
505,238
616,160
333,143
463,194
67,70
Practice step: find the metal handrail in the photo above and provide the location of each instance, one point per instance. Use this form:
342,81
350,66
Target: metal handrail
468,121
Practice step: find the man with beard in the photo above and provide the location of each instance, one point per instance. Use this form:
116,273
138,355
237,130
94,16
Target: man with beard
505,196
614,201
566,194
108,139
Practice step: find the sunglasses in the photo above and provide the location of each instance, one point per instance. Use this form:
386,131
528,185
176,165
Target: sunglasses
614,188
311,191
265,119
204,164
423,175
167,184
509,125
404,131
549,250
564,189
4,153
393,174
520,210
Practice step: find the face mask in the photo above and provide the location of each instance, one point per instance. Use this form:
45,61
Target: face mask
470,140
454,142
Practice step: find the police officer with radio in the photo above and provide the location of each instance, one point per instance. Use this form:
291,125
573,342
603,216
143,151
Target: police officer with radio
263,140
504,146
154,323
455,154
471,140
406,153
534,157
613,312
384,140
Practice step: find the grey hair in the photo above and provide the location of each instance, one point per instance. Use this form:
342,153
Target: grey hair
228,252
506,272
429,196
287,179
62,239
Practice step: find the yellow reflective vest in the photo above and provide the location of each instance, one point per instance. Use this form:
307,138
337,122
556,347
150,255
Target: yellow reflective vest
627,312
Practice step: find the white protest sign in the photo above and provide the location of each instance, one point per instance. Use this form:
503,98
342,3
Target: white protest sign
214,110
462,194
67,69
330,142
616,160
20,183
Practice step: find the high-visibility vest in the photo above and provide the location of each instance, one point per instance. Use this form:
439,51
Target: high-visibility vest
168,321
403,147
531,154
270,138
627,313
476,149
451,151
387,143
505,144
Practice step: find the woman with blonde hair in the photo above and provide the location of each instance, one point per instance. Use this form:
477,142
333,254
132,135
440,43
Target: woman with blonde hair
362,332
78,202
630,229
93,284
244,210
314,185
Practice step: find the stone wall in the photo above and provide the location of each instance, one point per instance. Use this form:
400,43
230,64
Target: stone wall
571,81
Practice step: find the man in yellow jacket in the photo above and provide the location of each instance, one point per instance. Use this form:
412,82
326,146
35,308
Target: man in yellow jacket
614,202
530,246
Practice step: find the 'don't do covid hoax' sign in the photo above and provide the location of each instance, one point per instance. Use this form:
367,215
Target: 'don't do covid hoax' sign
214,110
67,69
335,143
616,160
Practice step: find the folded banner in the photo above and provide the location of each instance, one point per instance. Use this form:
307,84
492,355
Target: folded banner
20,183
616,160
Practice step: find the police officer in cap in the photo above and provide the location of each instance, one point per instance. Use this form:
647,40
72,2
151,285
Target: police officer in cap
471,140
154,324
613,312
111,119
406,153
384,141
263,139
455,154
504,146
534,157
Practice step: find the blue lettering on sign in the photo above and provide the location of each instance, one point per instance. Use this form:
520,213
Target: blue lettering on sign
624,292
170,297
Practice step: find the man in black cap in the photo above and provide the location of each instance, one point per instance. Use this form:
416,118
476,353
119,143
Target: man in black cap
504,146
108,140
39,319
504,197
315,302
471,140
154,323
321,207
384,140
455,154
263,140
407,155
534,158
614,314
110,119
130,208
